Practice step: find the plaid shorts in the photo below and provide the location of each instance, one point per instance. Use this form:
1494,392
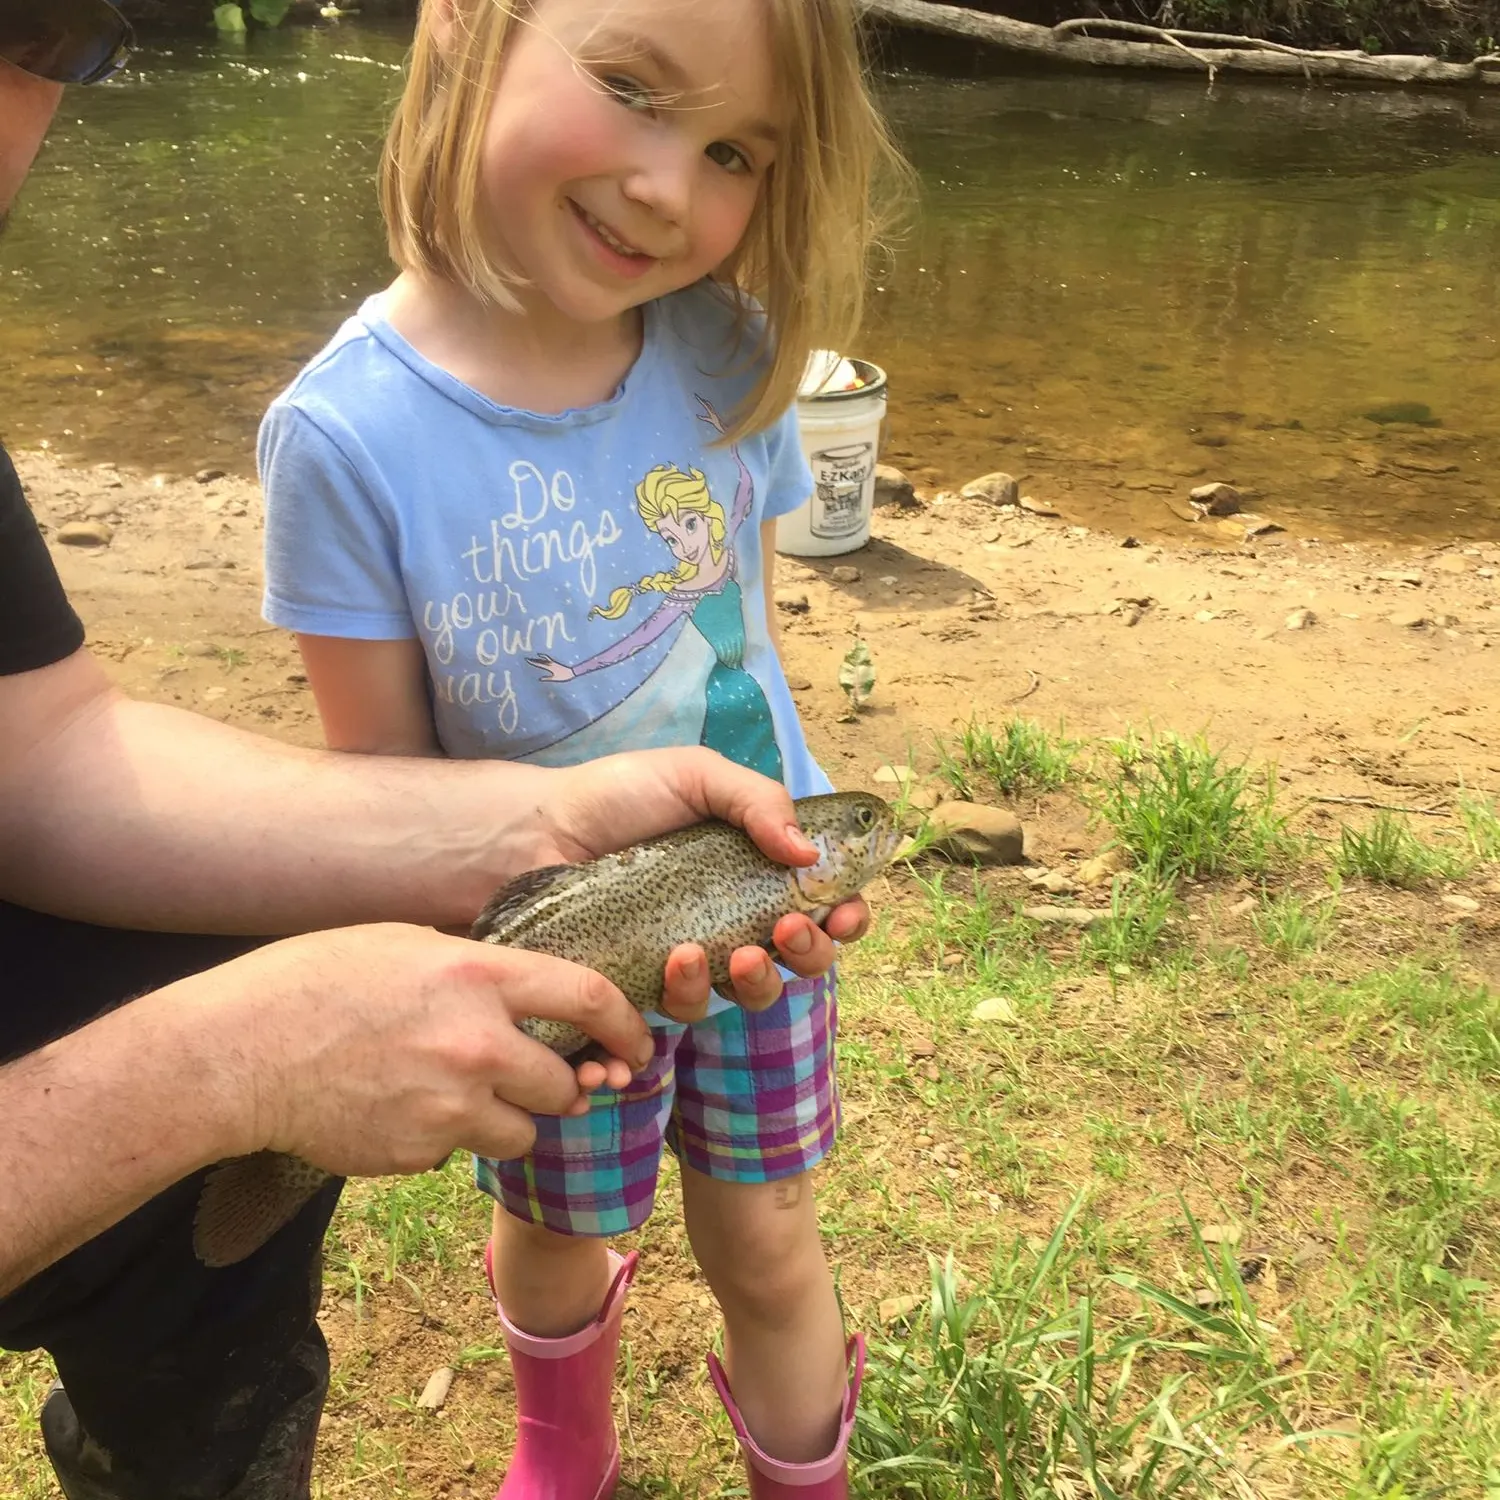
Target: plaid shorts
741,1096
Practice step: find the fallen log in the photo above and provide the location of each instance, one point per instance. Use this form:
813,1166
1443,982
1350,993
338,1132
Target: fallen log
1177,51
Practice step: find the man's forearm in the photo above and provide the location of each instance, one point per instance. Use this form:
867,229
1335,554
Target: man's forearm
105,1119
186,824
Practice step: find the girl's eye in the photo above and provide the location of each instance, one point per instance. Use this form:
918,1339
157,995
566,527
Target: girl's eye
630,92
731,158
692,523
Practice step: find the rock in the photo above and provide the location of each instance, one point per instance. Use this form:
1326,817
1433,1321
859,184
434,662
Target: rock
101,510
996,489
1103,868
894,1309
1130,541
899,775
892,487
924,798
1205,615
921,1047
85,534
1064,916
996,1008
1408,619
1035,507
1300,619
845,575
1391,575
200,648
799,684
1465,904
1451,562
207,476
1215,499
793,601
1243,907
1417,413
1222,1234
1055,883
435,1392
972,830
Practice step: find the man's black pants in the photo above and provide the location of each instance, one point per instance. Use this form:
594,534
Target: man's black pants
181,1378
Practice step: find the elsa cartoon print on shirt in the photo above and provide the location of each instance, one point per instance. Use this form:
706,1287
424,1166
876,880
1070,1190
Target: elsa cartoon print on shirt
703,588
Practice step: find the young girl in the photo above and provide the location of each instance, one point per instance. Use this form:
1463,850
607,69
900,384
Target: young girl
523,505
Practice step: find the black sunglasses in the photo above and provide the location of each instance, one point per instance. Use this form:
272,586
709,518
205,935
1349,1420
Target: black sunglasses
66,41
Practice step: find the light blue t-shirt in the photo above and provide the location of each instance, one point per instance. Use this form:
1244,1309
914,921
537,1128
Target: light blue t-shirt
582,583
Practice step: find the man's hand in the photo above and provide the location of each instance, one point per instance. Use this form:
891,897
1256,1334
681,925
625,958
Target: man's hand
383,1049
612,803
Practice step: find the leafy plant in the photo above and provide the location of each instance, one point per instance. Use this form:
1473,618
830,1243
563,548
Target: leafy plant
1023,756
1389,853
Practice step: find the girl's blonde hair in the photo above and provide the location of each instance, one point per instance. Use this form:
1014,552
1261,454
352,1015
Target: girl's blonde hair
804,257
666,491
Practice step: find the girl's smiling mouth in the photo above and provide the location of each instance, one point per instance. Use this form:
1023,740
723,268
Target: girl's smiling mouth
620,254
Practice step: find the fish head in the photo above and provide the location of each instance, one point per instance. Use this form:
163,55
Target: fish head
856,835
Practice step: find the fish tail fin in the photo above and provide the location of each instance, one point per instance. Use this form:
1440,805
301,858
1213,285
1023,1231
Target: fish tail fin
246,1200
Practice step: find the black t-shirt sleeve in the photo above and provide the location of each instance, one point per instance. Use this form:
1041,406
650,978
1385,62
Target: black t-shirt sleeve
37,624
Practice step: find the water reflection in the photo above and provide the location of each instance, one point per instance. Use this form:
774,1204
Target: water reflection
1116,287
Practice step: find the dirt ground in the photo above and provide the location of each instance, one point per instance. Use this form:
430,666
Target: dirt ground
966,609
968,612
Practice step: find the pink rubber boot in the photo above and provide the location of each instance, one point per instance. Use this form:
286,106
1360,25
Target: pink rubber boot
770,1479
567,1448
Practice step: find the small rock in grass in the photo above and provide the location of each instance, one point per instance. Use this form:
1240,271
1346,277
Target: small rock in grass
435,1392
996,1008
891,773
1064,916
921,1047
1222,1234
972,830
1300,619
894,1309
1103,867
1465,904
1243,908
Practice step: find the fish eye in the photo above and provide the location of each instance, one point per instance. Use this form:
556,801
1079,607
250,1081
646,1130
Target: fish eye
865,817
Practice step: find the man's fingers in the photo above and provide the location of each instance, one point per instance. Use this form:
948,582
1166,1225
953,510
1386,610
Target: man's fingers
685,984
536,984
803,946
502,1132
762,807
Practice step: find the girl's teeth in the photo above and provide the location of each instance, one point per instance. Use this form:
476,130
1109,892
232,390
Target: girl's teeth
608,238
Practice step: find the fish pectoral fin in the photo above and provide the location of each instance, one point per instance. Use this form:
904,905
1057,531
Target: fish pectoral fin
247,1200
518,896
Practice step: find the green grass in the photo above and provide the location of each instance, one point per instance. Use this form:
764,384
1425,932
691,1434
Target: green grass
1021,757
1389,853
1480,817
1182,811
1194,1210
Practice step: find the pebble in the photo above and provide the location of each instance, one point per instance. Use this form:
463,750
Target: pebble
972,830
1408,619
996,1008
1036,507
85,534
894,774
1055,883
1451,562
1103,868
1300,619
845,575
200,648
894,1309
996,488
207,476
792,601
1064,916
1243,908
1216,499
1411,580
1466,904
892,487
1222,1234
435,1392
101,510
799,684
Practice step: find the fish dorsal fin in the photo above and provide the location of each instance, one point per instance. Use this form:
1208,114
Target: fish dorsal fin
521,895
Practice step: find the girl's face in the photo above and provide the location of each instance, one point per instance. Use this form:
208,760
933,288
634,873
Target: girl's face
688,537
626,147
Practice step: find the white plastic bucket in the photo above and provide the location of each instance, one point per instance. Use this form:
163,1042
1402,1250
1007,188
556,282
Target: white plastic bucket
841,438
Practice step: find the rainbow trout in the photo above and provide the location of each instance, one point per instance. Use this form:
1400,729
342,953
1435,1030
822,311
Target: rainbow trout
620,915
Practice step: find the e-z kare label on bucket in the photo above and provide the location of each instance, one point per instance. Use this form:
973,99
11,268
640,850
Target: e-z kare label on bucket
840,476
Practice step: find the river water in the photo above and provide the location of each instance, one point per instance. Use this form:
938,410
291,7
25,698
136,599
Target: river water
1115,288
